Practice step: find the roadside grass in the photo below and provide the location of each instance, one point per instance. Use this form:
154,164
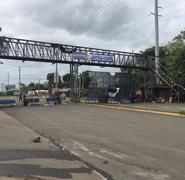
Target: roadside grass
182,113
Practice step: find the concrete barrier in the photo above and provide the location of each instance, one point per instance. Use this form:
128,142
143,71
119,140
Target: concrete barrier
32,101
112,101
7,102
51,101
91,99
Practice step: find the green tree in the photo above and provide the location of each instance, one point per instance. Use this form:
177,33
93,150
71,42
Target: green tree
172,56
42,86
66,80
175,60
151,52
23,87
66,77
32,87
51,80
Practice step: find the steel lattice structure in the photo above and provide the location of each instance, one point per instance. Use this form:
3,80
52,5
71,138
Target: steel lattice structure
29,50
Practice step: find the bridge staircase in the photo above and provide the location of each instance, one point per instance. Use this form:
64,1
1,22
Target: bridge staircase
177,88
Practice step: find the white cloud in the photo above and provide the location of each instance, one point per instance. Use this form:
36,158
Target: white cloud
120,24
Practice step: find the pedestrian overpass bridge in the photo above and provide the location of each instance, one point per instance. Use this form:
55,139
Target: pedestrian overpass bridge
29,50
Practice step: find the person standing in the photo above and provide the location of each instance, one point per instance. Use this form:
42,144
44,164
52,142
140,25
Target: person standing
20,97
63,96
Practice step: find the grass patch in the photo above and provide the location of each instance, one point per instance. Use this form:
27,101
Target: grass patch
182,113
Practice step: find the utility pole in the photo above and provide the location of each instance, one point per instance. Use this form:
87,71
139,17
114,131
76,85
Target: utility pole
8,81
19,80
79,87
56,76
157,39
2,85
39,86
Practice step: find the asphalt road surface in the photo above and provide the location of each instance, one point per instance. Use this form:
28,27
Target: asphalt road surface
124,144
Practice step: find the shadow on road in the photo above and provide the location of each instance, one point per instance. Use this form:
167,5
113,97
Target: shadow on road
10,166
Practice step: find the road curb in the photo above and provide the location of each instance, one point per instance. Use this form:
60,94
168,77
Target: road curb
140,110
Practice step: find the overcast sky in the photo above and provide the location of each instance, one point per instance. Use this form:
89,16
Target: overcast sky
112,24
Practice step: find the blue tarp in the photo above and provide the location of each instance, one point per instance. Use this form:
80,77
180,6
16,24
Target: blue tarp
51,99
7,102
32,100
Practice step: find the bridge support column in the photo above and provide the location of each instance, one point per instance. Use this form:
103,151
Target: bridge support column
74,83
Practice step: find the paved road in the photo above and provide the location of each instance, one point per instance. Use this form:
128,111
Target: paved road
127,145
22,159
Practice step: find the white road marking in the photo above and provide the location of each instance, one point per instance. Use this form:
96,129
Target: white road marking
97,155
81,146
75,153
81,112
71,151
120,156
152,175
97,173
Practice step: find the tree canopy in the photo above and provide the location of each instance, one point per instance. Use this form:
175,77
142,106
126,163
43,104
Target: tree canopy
175,56
66,80
51,80
172,56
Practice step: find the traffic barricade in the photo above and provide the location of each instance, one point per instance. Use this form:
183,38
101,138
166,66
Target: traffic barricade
7,102
32,101
51,101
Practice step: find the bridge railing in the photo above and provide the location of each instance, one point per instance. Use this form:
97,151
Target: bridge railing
28,50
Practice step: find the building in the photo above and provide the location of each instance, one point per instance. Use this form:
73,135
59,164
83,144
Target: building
98,84
10,87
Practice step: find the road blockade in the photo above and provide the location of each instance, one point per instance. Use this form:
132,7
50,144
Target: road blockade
7,102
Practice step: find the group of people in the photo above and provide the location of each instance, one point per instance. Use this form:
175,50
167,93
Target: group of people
58,97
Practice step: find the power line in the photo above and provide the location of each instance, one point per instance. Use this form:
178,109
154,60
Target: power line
106,11
136,22
172,4
173,9
121,11
175,12
89,20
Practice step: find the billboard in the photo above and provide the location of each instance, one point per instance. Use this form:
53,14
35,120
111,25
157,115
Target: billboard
79,55
101,58
92,57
